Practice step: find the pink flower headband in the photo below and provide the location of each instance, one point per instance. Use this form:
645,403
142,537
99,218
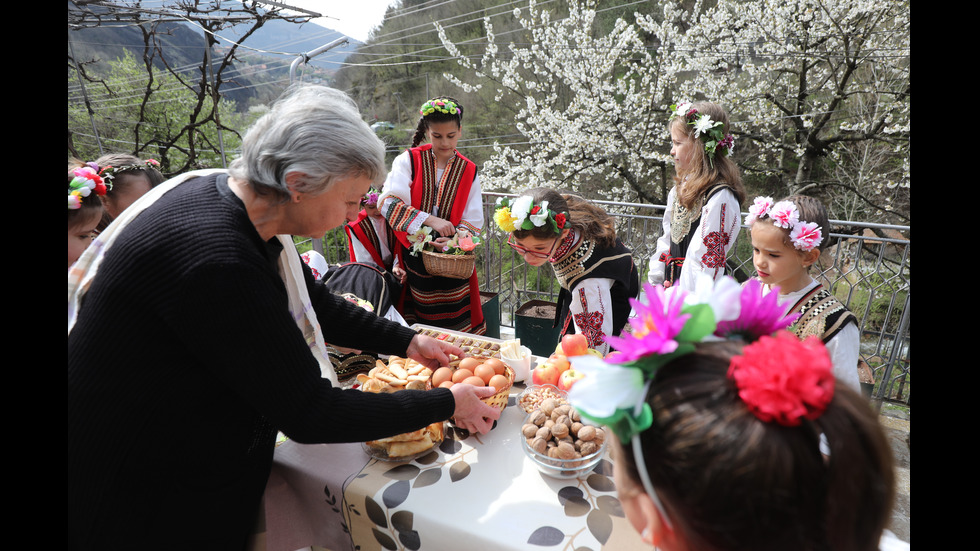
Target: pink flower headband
784,214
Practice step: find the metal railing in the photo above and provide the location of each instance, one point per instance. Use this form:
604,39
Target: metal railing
866,266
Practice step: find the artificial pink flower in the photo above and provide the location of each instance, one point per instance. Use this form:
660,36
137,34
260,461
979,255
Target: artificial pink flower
467,244
806,236
654,328
759,314
784,380
760,207
784,214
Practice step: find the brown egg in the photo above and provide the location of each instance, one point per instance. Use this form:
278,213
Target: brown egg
474,380
485,372
461,374
442,375
469,363
447,384
499,382
498,366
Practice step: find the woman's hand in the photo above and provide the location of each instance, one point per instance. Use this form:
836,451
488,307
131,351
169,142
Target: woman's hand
472,413
431,352
443,227
400,274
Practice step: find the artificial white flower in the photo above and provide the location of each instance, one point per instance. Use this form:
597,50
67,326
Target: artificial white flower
605,387
520,209
682,109
703,124
542,216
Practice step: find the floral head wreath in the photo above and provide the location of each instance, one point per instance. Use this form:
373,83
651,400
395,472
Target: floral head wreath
85,182
370,198
522,214
442,105
805,235
709,131
779,378
109,173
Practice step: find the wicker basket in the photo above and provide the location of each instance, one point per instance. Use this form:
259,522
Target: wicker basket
499,400
456,266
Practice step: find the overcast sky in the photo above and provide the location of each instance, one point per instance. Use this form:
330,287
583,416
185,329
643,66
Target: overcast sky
355,18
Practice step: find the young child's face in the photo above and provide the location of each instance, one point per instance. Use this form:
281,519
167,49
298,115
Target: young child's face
444,137
80,235
682,147
137,185
777,262
534,250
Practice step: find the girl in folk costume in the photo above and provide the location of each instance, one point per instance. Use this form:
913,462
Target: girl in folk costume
85,187
718,426
702,217
787,238
593,267
434,186
371,240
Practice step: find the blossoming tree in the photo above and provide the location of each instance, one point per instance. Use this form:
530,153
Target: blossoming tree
589,106
818,92
816,85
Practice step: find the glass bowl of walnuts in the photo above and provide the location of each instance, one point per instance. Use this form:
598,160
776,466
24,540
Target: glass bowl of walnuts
558,443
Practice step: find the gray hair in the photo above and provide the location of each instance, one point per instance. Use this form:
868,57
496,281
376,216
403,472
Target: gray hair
312,130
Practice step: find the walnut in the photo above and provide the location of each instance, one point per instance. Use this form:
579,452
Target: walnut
548,406
529,430
566,451
587,433
560,430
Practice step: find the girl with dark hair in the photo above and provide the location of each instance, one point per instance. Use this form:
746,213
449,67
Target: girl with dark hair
702,217
787,238
435,186
593,267
718,443
130,179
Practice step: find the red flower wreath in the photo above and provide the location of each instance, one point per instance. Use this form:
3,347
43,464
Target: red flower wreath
560,220
784,380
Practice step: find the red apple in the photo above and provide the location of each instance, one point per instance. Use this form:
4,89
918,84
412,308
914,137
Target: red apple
560,361
575,344
545,374
568,379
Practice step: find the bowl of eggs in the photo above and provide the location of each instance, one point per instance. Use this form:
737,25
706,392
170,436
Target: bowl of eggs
478,371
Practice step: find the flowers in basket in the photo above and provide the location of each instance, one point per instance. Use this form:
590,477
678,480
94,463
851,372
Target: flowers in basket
458,245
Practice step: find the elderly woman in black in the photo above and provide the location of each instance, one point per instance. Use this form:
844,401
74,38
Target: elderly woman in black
195,333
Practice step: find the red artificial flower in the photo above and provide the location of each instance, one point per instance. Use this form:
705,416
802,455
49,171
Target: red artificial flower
784,380
100,189
560,220
535,210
